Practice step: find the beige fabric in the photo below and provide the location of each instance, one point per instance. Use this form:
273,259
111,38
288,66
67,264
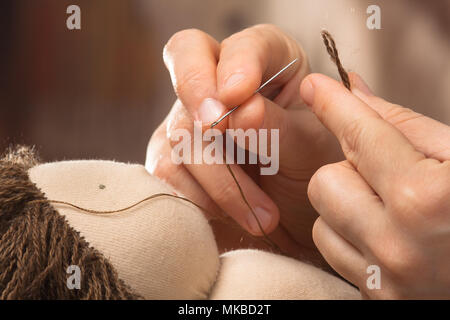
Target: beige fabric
164,248
255,274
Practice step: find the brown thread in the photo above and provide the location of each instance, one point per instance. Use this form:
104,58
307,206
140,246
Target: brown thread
266,237
334,55
97,212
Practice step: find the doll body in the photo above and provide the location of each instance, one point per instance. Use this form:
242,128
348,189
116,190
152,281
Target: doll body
165,248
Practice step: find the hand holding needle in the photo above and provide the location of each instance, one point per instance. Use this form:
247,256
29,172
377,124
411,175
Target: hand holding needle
215,123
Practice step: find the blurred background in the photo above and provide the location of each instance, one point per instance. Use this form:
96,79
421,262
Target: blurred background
99,92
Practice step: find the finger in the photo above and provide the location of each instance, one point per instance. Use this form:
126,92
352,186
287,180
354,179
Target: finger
295,135
158,163
218,183
339,253
378,151
228,234
191,58
252,56
424,133
346,203
257,126
224,191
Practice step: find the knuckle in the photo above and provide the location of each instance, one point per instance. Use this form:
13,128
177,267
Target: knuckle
400,260
322,197
228,41
253,36
406,200
249,38
222,193
415,202
397,114
263,28
290,45
352,137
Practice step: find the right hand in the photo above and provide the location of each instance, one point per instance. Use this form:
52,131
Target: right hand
209,78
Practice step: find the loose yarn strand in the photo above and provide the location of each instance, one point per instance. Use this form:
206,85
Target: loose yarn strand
330,45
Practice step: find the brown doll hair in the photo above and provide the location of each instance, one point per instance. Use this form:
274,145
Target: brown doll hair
37,245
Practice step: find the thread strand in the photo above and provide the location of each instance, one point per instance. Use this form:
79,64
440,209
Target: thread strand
330,45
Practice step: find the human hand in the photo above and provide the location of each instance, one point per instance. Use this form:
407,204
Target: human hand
209,78
388,204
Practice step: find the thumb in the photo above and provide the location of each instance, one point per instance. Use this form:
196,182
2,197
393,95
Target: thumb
428,136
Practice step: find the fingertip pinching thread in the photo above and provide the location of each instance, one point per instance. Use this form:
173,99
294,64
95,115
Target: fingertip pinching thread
334,55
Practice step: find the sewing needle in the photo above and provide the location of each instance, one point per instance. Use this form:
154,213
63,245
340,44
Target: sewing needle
215,123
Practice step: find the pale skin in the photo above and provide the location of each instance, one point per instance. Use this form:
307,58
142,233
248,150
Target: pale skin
369,180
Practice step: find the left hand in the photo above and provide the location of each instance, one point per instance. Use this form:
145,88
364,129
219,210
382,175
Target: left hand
388,204
199,67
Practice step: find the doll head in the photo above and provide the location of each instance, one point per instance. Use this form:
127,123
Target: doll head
163,248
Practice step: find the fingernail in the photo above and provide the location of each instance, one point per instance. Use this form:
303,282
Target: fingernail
361,85
307,92
264,217
210,110
234,80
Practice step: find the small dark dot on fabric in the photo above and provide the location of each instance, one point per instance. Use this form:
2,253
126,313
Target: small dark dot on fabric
102,186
